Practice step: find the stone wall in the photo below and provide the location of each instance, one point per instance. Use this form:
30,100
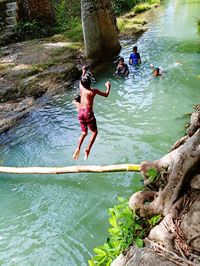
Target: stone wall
41,11
3,14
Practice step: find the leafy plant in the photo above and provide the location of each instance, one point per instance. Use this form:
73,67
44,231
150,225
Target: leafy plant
68,17
198,24
154,220
121,6
29,30
153,175
127,228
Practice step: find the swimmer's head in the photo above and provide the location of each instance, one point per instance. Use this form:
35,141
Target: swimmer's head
77,98
121,60
135,49
156,71
86,81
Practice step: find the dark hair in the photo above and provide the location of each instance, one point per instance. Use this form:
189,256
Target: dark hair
157,69
134,48
86,81
121,59
88,67
77,98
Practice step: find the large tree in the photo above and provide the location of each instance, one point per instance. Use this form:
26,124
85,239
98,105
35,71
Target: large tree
99,29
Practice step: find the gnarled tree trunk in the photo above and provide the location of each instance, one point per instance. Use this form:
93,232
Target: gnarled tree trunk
99,29
174,194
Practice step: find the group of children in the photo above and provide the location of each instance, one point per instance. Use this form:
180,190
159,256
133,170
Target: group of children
134,60
85,100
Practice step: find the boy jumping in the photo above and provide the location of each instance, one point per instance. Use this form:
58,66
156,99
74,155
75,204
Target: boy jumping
86,114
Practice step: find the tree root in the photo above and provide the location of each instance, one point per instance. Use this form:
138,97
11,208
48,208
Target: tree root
170,255
171,196
177,164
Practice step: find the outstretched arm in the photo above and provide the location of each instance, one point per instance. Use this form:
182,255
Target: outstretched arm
102,93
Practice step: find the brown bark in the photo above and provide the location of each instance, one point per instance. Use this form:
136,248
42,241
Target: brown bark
41,11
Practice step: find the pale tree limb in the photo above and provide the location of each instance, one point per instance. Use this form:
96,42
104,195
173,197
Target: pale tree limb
71,169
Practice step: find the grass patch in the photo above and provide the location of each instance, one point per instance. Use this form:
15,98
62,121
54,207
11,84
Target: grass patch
126,24
142,7
74,31
131,22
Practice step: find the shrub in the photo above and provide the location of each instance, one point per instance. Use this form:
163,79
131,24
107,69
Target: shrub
127,228
30,30
68,17
74,30
198,24
121,6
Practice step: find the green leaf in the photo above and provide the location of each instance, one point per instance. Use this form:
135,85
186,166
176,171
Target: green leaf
138,227
112,221
113,230
139,242
102,262
122,200
154,220
109,262
152,173
99,251
91,263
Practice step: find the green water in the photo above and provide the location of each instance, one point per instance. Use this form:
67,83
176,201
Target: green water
57,220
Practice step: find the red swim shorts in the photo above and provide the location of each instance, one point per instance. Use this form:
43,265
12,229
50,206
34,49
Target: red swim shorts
87,119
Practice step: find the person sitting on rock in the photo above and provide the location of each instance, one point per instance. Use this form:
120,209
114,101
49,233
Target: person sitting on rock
134,58
122,68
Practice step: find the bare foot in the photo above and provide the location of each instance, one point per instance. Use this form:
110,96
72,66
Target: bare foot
76,154
86,154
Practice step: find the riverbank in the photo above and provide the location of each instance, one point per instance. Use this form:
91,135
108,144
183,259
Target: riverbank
33,70
133,24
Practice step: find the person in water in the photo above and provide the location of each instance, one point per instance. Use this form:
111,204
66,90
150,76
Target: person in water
134,58
156,71
122,68
85,113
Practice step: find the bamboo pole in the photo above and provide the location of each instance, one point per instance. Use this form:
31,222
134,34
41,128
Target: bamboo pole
71,169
